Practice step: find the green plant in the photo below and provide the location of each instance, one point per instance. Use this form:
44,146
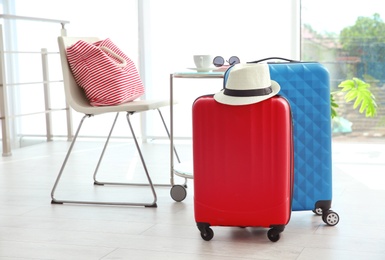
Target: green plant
358,91
334,105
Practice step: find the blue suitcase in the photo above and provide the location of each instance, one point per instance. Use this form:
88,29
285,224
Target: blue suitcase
306,85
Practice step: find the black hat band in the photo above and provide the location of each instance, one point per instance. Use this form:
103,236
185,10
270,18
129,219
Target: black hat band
248,92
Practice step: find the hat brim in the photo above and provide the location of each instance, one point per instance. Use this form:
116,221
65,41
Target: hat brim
239,101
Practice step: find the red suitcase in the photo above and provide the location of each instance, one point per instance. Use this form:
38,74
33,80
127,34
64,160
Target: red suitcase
243,165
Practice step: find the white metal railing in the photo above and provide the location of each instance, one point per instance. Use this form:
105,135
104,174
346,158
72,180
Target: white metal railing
5,116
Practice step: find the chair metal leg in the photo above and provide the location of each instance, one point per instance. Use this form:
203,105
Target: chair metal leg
58,201
104,149
65,162
141,157
97,182
168,133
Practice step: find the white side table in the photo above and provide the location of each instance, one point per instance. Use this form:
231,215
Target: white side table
182,169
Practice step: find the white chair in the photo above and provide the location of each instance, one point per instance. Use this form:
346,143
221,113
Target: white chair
77,100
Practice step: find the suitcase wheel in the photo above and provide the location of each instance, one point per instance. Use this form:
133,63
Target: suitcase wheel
331,218
178,193
207,233
318,211
274,234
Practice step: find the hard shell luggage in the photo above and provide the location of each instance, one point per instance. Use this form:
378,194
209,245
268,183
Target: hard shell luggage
306,86
243,165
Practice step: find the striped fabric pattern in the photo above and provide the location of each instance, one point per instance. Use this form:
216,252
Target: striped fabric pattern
102,75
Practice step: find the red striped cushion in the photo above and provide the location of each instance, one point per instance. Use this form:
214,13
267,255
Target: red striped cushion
99,74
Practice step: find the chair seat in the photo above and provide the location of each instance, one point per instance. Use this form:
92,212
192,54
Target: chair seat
133,106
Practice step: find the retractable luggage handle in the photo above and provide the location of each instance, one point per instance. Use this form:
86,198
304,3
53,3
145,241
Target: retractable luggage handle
273,58
225,75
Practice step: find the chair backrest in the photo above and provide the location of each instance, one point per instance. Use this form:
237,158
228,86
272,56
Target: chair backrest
75,96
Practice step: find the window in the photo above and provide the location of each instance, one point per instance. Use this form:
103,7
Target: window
349,39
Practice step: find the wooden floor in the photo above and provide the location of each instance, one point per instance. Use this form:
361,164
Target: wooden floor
32,228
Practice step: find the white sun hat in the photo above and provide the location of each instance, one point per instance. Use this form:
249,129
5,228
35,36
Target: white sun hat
247,84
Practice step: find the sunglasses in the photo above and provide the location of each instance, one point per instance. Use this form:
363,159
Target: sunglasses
219,61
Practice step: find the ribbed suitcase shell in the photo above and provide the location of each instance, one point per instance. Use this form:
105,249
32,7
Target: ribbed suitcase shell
243,163
307,88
